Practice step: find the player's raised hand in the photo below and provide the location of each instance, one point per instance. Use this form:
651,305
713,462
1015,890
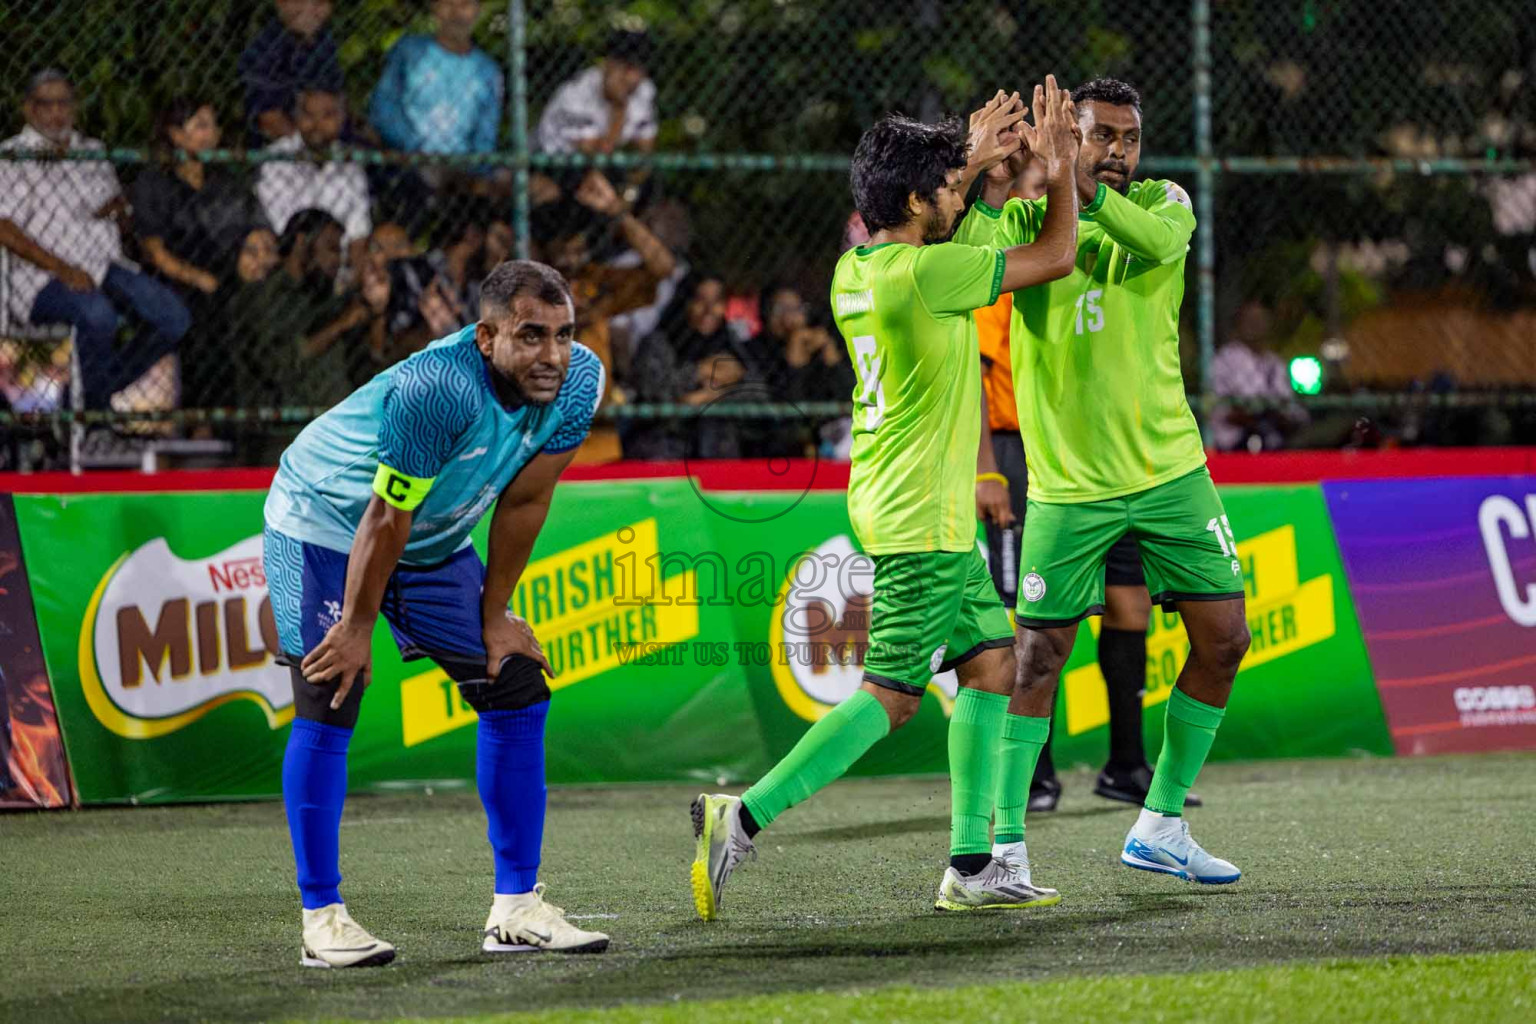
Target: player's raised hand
345,655
1054,126
507,636
993,134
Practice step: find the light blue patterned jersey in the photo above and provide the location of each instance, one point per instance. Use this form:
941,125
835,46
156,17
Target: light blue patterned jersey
433,415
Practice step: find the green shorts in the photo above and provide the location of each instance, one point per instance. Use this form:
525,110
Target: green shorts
1187,550
932,611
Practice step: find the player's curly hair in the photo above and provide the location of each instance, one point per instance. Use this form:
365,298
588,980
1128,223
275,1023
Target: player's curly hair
897,157
1108,90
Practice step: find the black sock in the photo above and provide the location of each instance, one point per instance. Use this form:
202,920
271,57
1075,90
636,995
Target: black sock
1045,768
748,822
1123,660
969,863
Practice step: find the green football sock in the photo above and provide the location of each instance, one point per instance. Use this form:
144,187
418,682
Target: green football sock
975,728
1023,737
1189,729
827,750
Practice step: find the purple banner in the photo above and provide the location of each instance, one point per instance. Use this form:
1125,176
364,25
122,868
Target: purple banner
1443,575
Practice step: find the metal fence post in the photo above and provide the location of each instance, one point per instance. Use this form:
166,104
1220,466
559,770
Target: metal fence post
1205,202
517,60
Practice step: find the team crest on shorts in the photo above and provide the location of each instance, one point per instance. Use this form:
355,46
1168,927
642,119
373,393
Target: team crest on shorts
938,658
1033,587
331,615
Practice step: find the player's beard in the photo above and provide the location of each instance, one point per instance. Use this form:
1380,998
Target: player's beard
510,392
1124,183
937,228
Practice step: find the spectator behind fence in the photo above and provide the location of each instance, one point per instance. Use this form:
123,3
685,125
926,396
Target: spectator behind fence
605,108
190,218
440,94
407,300
692,358
313,182
247,300
56,216
803,361
295,51
1247,367
307,364
600,292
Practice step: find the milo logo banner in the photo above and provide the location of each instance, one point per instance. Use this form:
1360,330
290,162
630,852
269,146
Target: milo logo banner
165,640
159,635
696,635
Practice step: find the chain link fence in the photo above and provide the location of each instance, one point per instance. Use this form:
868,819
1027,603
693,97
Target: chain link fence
219,217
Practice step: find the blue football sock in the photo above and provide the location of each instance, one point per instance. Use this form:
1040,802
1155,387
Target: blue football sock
314,788
509,769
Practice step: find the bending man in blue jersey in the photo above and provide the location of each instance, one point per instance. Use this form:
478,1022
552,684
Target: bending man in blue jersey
371,513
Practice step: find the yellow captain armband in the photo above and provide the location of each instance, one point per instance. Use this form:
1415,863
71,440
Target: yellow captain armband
397,489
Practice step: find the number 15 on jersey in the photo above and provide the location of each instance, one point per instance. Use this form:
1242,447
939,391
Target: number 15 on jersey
1088,303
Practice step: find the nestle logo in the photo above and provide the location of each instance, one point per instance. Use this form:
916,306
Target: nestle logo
237,574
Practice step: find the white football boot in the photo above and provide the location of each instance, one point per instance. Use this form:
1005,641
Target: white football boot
1162,843
333,939
722,845
1004,884
524,923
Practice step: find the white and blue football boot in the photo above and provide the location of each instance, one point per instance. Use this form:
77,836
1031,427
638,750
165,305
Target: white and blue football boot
1161,843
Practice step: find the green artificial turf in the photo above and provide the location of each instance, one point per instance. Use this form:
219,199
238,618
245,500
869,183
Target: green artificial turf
191,912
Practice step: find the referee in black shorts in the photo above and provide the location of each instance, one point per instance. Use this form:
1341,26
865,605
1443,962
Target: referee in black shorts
1002,485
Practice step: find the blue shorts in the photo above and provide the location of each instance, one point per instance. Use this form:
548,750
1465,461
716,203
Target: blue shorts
433,611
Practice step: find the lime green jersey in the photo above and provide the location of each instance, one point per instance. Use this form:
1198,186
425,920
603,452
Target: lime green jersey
1095,354
905,313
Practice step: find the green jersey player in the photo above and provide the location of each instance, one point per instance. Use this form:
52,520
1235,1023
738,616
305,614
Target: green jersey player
903,304
1113,448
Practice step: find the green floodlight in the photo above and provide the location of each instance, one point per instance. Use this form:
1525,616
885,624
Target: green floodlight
1306,375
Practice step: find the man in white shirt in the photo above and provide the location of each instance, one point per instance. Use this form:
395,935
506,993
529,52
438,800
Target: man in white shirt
311,181
605,108
66,263
1246,367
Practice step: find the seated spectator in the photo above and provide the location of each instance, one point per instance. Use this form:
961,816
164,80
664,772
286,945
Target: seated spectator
313,182
803,362
311,363
458,260
56,217
605,108
295,51
601,291
191,219
692,358
407,300
219,366
1247,367
440,94
669,221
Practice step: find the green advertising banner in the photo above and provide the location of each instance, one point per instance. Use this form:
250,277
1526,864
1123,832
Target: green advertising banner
1305,688
695,635
157,634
